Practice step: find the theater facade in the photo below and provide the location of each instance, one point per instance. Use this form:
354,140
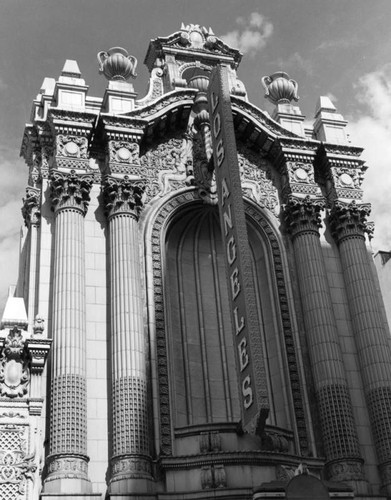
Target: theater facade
197,314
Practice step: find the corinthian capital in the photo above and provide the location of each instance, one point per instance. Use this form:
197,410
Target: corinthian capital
30,208
302,215
70,190
122,196
349,220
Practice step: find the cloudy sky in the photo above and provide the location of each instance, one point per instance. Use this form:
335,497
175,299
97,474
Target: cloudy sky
339,48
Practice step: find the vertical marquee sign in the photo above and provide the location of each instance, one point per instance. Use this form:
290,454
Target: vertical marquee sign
245,324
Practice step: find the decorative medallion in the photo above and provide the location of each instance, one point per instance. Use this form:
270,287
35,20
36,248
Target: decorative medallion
14,370
71,148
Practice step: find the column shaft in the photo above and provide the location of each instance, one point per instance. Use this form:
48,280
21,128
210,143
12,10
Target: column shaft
67,461
131,468
372,346
335,408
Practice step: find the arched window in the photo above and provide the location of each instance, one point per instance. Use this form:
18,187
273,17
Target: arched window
198,326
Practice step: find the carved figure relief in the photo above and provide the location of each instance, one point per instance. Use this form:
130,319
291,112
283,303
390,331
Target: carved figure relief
14,369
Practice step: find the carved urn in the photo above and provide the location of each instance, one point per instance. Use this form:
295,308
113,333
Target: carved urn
279,88
117,64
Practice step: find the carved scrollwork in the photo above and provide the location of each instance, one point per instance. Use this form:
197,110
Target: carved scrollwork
303,214
122,196
69,190
14,368
31,207
350,220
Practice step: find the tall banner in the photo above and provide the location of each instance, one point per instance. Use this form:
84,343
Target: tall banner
249,357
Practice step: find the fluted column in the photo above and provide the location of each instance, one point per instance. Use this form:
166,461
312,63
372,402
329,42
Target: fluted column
348,225
67,460
341,446
130,461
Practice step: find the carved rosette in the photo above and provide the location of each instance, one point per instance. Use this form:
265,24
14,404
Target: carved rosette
70,190
31,207
349,220
302,215
14,366
122,196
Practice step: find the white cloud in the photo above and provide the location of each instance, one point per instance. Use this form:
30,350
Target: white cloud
342,43
373,132
252,36
294,62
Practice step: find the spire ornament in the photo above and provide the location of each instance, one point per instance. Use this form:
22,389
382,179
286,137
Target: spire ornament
117,64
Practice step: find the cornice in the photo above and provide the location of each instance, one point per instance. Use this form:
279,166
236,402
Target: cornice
165,103
236,457
241,106
63,121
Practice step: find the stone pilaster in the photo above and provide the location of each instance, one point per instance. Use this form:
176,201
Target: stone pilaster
341,446
32,217
67,460
348,225
130,461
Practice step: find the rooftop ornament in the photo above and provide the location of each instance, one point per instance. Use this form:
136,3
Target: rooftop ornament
279,88
117,64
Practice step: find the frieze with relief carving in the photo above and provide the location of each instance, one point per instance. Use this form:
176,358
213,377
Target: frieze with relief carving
255,172
14,366
71,146
166,167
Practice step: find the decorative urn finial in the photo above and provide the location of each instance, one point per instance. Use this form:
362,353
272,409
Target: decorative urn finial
279,88
117,64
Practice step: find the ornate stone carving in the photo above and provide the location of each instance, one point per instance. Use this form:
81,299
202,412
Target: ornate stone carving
117,64
72,466
31,207
130,468
256,182
71,146
70,190
279,88
38,350
167,167
303,214
274,441
349,220
39,325
17,467
14,369
346,470
213,476
123,152
122,196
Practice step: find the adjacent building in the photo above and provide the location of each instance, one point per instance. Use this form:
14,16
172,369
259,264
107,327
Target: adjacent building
196,314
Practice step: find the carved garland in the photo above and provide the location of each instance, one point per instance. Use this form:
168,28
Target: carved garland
161,340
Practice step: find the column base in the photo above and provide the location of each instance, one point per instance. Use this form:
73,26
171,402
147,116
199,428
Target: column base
351,472
130,474
67,474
